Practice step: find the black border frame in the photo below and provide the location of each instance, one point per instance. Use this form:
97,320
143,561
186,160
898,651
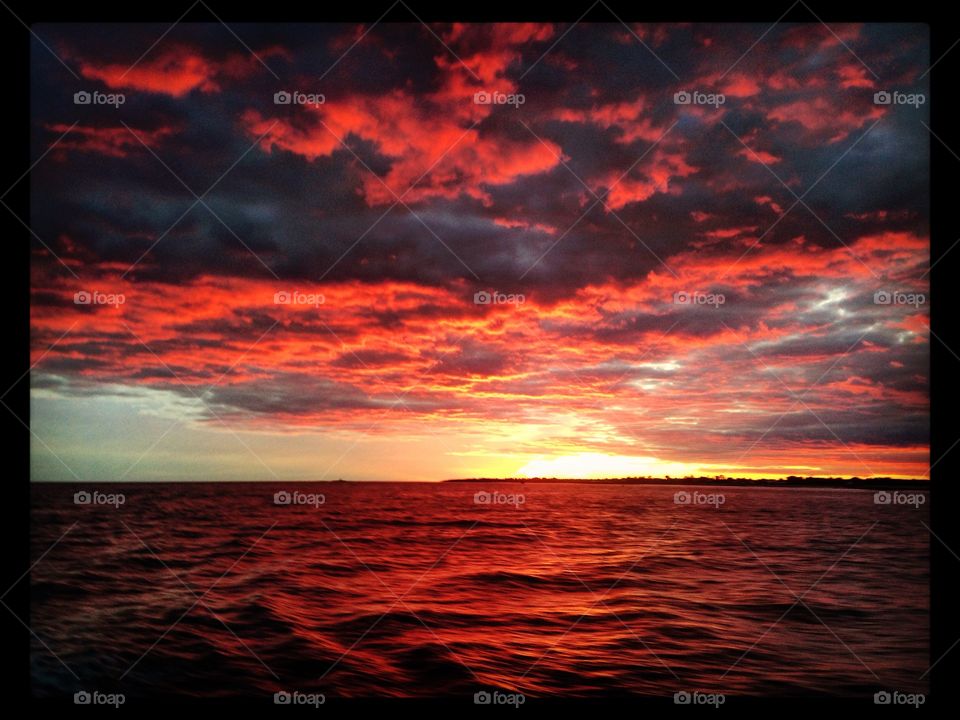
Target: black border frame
945,430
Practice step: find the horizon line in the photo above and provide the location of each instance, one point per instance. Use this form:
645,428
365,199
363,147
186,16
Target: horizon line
634,479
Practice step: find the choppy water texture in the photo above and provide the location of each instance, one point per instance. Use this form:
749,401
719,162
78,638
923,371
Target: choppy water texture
416,590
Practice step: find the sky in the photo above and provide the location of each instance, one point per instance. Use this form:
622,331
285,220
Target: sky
593,250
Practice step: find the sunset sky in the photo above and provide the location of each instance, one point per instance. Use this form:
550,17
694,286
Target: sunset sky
600,201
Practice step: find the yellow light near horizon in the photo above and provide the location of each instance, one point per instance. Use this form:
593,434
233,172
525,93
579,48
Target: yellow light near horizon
598,465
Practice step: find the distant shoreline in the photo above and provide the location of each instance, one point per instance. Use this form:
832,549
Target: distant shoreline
882,483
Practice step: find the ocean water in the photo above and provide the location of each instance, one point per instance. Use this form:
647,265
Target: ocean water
431,590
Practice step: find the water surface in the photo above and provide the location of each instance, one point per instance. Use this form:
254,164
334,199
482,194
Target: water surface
417,589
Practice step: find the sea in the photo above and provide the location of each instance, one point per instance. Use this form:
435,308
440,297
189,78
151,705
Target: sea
489,592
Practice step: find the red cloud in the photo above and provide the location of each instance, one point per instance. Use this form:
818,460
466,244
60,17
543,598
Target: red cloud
110,141
740,85
176,71
488,52
759,156
630,119
655,173
515,223
423,143
433,141
833,118
766,200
